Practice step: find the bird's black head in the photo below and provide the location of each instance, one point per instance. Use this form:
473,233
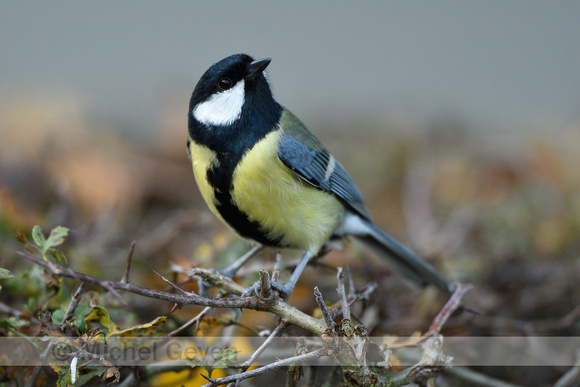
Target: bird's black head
232,104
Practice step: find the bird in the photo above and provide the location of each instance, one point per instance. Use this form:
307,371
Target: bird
266,176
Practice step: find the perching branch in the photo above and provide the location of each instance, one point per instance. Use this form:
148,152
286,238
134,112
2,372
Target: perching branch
181,299
451,306
275,306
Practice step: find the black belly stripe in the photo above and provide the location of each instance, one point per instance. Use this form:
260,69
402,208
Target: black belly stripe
221,181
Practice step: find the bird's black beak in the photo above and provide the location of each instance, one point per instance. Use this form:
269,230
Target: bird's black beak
256,67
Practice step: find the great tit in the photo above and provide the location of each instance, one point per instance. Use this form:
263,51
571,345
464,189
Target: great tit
265,175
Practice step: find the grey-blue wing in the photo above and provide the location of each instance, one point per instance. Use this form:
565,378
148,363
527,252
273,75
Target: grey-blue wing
319,169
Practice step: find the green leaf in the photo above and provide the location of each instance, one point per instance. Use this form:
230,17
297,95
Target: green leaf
58,316
56,237
37,237
101,315
147,329
85,378
5,274
225,358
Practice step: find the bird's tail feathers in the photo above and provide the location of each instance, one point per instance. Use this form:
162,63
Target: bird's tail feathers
402,259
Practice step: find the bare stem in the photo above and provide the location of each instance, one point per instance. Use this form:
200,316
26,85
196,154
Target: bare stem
327,317
129,260
450,307
270,367
342,294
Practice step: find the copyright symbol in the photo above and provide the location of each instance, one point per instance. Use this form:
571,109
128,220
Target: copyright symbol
61,351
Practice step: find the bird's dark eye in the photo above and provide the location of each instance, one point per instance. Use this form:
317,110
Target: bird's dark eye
225,84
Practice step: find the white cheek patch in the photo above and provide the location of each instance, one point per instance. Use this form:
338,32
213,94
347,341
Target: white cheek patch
222,108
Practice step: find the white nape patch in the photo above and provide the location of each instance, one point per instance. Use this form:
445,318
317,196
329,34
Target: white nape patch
222,108
352,224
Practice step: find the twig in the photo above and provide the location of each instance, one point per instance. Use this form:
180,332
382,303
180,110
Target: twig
245,365
217,279
320,301
432,362
351,288
547,325
475,378
451,306
472,377
294,373
60,271
129,259
277,264
277,306
265,286
342,294
571,377
178,288
194,320
362,293
69,312
267,368
74,302
232,269
17,313
160,236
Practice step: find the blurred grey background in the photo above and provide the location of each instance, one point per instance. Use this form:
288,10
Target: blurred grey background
496,66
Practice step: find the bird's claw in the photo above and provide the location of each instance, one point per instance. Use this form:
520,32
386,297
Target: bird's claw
203,286
283,290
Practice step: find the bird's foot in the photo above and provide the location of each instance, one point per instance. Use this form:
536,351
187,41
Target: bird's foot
266,293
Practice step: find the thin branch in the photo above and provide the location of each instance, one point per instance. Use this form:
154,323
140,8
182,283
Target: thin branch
74,302
267,368
277,306
160,236
473,378
189,299
433,361
320,301
277,265
17,313
451,306
217,279
265,291
342,294
232,269
129,259
362,293
194,320
546,325
245,365
351,288
178,288
571,377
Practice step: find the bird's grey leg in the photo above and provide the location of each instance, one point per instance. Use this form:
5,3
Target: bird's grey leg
285,290
232,269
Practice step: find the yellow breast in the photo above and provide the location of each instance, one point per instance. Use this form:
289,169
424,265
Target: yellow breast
285,206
